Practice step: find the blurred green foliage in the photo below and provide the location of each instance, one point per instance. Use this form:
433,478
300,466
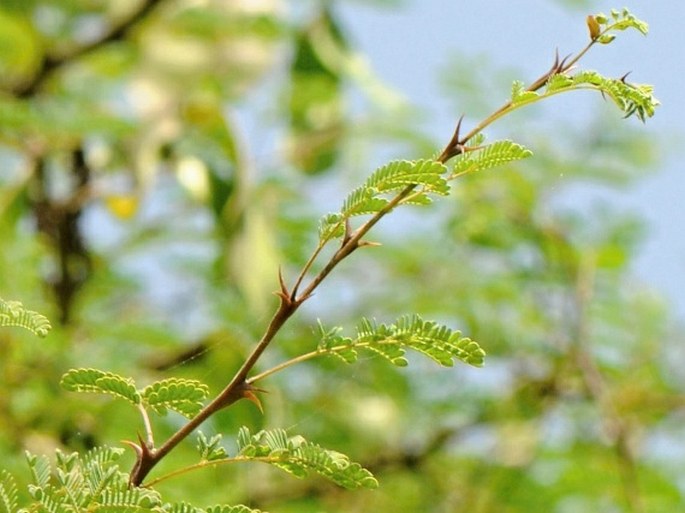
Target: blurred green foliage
139,213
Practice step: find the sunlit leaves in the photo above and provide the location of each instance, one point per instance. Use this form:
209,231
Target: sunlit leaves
97,381
210,449
492,155
8,492
632,99
232,509
185,396
436,341
13,313
617,20
88,482
299,457
91,481
371,198
519,93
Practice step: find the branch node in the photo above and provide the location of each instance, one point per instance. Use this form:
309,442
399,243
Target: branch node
455,146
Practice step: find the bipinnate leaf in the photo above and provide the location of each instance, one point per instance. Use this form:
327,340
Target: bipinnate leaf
185,396
210,449
86,482
8,493
618,20
396,175
182,507
492,155
40,468
299,457
97,381
232,509
632,99
13,313
362,200
438,342
91,482
370,198
519,94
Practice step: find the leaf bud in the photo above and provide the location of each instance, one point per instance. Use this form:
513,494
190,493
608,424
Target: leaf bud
601,18
593,26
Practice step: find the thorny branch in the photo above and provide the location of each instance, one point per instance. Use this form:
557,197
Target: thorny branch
291,299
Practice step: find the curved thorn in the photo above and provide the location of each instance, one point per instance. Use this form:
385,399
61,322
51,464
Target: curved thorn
562,65
453,147
284,293
136,448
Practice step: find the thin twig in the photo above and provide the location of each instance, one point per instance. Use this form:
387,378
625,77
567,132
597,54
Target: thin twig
51,63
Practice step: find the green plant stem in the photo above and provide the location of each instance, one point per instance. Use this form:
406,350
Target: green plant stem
148,457
288,363
212,463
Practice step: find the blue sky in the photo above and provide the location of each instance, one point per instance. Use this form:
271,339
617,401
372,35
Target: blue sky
409,46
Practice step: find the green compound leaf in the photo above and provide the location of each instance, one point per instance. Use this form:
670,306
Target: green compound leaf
91,482
331,226
621,20
97,381
362,201
492,155
299,457
40,468
436,341
210,449
392,177
185,396
557,82
8,492
182,507
232,509
637,99
519,93
396,175
86,482
13,313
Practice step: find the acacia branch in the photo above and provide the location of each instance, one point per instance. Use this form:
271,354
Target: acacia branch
291,299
